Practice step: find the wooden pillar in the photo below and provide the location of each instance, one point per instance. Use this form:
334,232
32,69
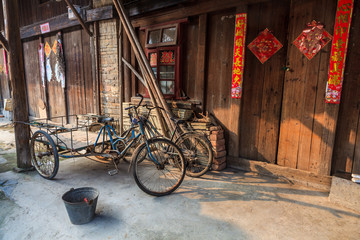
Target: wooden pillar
96,67
201,56
16,74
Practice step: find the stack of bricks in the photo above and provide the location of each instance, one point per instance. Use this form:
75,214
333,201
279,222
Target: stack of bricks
218,142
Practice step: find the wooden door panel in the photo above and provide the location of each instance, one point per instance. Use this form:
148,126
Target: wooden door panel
34,86
304,114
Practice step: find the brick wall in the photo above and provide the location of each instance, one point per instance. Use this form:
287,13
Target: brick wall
109,68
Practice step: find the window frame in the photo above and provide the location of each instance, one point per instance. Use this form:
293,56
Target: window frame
161,28
176,65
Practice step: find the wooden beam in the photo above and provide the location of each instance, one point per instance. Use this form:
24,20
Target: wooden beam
287,174
77,15
201,56
62,21
146,6
134,71
4,42
97,67
192,9
17,79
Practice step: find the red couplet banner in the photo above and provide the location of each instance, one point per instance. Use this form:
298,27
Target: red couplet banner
338,50
239,55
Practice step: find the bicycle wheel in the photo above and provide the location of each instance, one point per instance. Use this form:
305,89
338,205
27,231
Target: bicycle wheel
197,152
164,177
44,155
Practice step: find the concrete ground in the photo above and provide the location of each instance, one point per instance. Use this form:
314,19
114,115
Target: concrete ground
221,205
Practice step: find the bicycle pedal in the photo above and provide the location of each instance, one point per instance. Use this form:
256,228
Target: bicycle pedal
113,172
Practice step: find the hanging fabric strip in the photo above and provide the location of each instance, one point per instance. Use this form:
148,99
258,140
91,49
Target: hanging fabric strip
42,62
60,63
338,51
239,55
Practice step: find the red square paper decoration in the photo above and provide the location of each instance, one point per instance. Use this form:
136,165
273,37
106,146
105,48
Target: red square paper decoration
264,45
312,39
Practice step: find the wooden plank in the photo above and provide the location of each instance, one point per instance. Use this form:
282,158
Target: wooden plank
16,73
325,117
32,76
189,65
294,94
347,129
62,21
252,86
311,79
294,176
200,65
75,86
56,94
191,9
273,85
146,6
219,66
87,73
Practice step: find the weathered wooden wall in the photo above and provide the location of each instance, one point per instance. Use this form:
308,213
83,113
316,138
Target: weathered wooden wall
31,11
282,117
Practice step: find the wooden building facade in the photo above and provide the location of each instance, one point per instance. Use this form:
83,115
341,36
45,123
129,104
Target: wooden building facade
282,117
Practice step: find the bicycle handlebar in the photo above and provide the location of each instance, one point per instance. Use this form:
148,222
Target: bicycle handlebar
136,107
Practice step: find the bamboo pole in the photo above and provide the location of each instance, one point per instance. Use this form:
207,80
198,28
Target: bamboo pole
152,86
134,71
81,21
120,77
4,42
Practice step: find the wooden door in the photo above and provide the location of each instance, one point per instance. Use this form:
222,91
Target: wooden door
79,87
307,123
34,87
55,87
73,96
263,85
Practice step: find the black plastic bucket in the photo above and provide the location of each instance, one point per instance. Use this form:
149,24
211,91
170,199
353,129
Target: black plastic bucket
80,204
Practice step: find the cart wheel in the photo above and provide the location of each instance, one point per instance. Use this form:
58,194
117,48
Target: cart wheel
44,155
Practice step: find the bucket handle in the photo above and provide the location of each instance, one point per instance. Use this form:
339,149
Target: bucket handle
88,202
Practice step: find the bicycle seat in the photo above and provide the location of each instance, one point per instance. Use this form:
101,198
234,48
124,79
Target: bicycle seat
105,119
177,121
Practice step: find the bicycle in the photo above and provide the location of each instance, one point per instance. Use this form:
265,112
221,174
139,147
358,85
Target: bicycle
158,165
196,147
